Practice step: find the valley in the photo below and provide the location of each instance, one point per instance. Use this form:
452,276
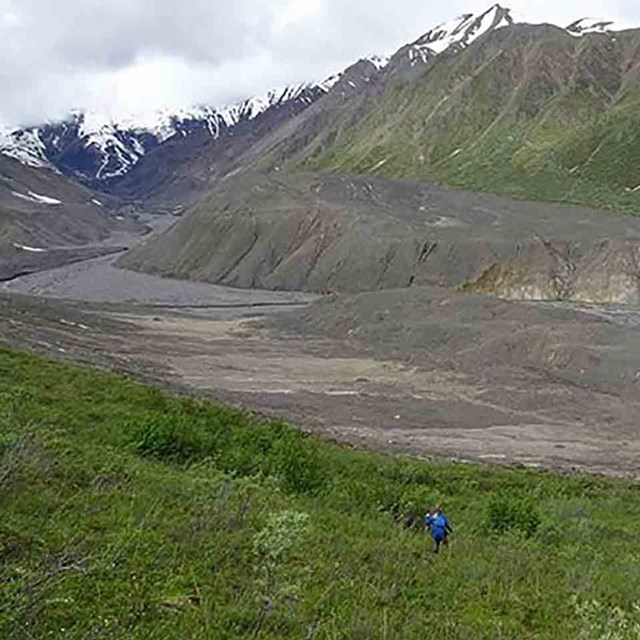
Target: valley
268,298
421,370
300,253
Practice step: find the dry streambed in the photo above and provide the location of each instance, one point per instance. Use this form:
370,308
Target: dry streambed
423,371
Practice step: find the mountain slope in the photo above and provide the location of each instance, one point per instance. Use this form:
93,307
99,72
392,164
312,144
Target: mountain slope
45,218
175,173
530,111
349,234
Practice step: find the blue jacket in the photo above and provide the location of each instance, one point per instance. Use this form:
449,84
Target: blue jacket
438,525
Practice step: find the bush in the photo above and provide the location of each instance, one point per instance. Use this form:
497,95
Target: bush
278,553
19,454
297,462
171,438
240,450
512,512
601,622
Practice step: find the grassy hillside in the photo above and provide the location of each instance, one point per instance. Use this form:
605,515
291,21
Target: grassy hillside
131,513
527,110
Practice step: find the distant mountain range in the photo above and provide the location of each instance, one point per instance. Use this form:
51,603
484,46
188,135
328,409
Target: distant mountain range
539,112
397,116
95,149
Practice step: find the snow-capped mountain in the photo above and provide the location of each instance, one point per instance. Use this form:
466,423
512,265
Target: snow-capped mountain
456,34
101,151
24,145
462,31
97,149
447,36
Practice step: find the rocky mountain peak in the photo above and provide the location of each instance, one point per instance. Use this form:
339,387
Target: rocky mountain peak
452,35
464,29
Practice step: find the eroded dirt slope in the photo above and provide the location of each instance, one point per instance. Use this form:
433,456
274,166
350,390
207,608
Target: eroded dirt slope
47,220
341,233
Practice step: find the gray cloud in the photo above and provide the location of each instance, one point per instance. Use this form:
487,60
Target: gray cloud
124,55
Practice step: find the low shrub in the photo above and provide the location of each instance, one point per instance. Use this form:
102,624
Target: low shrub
171,438
512,512
297,462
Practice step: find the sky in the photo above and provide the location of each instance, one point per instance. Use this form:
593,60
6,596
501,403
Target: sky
123,57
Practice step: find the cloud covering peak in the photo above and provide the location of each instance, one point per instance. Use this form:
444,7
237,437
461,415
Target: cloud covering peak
126,56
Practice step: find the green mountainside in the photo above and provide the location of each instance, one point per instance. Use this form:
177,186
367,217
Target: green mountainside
526,110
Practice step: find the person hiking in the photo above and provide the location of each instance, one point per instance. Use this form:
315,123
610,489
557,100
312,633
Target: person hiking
439,527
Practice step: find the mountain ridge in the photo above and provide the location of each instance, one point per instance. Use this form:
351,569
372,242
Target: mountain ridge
100,151
527,110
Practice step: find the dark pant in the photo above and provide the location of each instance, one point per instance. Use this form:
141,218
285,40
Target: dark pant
438,540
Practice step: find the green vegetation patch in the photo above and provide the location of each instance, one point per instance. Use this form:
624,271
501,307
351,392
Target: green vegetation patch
129,513
540,116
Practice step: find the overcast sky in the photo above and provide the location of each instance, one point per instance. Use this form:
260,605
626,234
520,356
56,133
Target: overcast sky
132,56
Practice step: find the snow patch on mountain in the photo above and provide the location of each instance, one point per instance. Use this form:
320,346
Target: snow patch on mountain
330,82
419,53
591,25
24,247
37,198
380,62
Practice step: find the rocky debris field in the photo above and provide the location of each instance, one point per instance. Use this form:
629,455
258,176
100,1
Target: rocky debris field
422,371
98,280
